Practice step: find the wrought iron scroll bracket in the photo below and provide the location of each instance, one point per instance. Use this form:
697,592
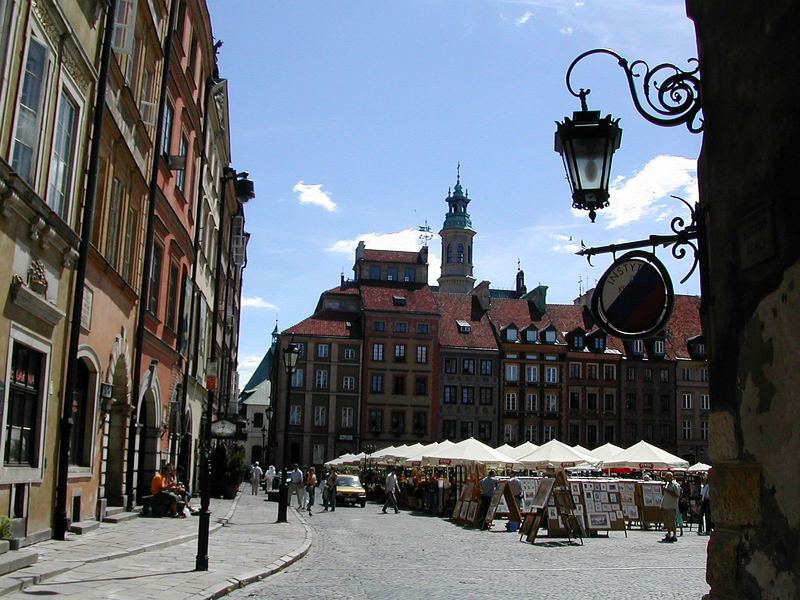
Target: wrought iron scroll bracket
670,96
683,235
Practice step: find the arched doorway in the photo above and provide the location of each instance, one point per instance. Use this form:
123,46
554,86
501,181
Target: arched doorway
147,441
115,434
186,446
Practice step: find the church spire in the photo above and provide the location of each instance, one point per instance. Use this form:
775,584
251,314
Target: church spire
457,234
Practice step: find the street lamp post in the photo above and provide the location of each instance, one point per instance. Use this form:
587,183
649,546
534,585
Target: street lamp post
290,356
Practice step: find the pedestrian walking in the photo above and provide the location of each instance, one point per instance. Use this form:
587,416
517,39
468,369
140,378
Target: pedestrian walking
295,477
669,506
330,488
705,526
269,479
255,478
390,488
311,488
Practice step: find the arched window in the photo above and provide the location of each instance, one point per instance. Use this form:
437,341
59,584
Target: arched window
469,253
449,253
461,253
82,417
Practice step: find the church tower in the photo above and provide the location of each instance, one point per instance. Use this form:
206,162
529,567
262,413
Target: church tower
457,234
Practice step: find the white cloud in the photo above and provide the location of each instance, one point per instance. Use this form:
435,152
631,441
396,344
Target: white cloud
566,30
567,244
311,193
646,193
257,302
247,365
524,18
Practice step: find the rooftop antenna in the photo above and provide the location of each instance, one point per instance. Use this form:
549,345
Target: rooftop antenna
580,287
425,234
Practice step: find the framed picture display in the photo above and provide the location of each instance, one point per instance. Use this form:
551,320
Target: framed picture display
472,512
552,513
575,487
613,486
599,520
464,509
601,497
603,487
457,509
613,497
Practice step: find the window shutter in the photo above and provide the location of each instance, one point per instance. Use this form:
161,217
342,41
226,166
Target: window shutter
237,241
124,24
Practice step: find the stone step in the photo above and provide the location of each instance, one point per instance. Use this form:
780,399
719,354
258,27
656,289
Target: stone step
114,510
120,517
82,527
5,546
18,559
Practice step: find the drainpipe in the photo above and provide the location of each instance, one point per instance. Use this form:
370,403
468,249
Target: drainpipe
144,289
61,523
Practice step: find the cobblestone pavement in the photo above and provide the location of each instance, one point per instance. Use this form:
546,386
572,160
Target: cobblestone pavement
360,553
248,547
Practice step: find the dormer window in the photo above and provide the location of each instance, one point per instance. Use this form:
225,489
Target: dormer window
637,347
374,272
531,335
463,326
659,347
391,274
599,343
578,342
399,300
550,336
511,334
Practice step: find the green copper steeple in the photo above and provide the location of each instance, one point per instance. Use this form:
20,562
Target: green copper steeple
457,216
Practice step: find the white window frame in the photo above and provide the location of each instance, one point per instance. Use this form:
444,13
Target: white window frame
70,92
509,433
704,430
511,401
659,347
399,352
323,350
686,401
512,372
320,415
348,383
422,355
349,353
123,38
532,373
551,375
686,429
321,379
705,401
550,432
551,402
295,414
531,402
347,417
532,433
298,378
377,351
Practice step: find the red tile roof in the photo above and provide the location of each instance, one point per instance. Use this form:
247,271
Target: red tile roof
381,298
348,288
328,324
398,256
453,307
684,324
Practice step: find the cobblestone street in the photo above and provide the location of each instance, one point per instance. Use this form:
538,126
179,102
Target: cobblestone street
362,553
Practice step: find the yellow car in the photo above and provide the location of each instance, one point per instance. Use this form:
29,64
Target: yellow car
350,491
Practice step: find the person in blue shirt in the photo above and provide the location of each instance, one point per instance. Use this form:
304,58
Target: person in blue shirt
487,484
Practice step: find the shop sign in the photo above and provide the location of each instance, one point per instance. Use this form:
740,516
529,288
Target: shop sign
567,464
345,437
634,297
416,463
645,465
445,461
223,429
211,383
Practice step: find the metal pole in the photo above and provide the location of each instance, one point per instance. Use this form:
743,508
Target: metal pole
61,523
283,493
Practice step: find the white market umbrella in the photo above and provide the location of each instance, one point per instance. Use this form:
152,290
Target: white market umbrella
606,452
556,454
506,449
467,452
404,453
341,460
580,448
645,456
416,457
522,450
699,468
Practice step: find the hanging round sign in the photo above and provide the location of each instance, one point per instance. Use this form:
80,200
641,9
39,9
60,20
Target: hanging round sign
634,297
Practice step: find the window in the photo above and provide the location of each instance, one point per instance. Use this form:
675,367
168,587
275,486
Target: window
531,373
347,417
511,401
532,434
450,365
591,371
551,403
509,433
422,354
637,347
704,430
449,429
687,429
630,431
647,374
599,343
686,374
578,342
686,401
704,374
155,278
486,396
295,414
658,347
575,370
398,422
664,376
630,401
591,401
323,350
374,272
449,396
377,351
485,366
420,385
574,433
550,336
460,251
399,353
467,395
485,430
630,374
320,416
376,420
321,379
24,397
609,403
531,402
318,454
114,218
591,435
348,383
666,433
29,117
531,335
131,228
511,334
550,432
610,372
665,403
512,372
648,402
301,349
423,328
297,378
705,402
377,383
466,430
608,434
409,274
449,253
169,116
468,366
379,325
649,432
180,179
399,384
400,327
349,353
551,375
420,423
575,401
62,162
173,292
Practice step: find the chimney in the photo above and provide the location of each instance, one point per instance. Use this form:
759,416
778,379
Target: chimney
521,289
539,298
481,292
360,250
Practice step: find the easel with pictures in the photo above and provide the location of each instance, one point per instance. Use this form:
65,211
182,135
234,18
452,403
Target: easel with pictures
502,492
568,521
538,511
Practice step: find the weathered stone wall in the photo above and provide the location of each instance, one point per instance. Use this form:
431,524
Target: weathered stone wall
751,302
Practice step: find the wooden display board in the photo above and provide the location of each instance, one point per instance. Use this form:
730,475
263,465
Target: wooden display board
502,491
648,499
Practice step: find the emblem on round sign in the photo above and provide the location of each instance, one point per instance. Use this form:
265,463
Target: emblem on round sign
634,297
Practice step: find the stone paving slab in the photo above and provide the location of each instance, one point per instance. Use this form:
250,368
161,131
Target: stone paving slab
146,557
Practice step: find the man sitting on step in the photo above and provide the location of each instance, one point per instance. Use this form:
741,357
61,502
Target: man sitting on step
161,493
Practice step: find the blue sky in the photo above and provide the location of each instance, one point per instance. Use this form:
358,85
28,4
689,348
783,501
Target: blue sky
351,117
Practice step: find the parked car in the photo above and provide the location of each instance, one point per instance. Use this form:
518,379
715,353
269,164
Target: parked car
350,491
